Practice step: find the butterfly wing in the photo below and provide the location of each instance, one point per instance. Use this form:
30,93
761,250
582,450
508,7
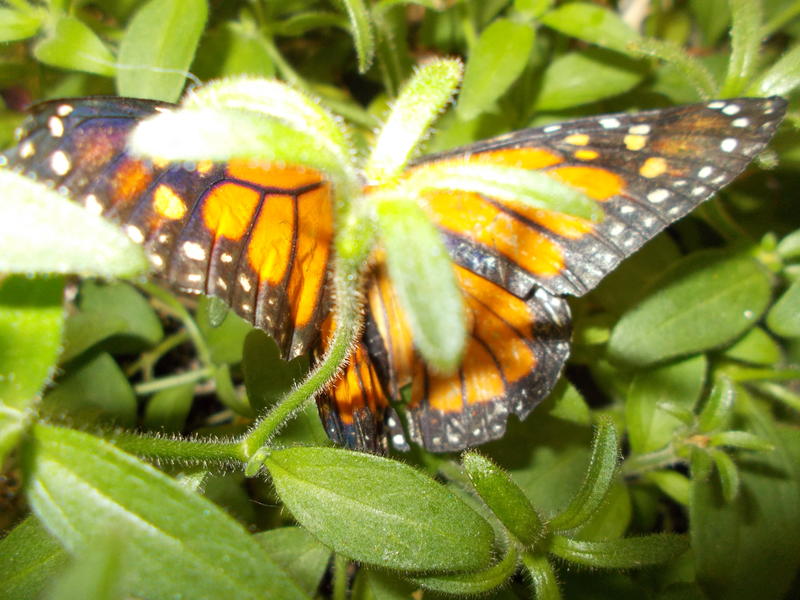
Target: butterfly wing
646,170
258,236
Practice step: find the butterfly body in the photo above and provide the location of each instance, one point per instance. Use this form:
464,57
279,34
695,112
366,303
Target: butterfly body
259,236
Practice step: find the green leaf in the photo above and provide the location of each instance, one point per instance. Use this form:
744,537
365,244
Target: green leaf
371,584
177,543
756,347
421,272
16,25
167,410
95,391
71,44
650,427
747,549
361,30
713,18
784,316
623,553
29,558
474,583
37,235
421,100
116,311
612,518
97,573
591,23
219,135
789,247
542,576
599,477
684,65
504,498
740,439
718,407
158,47
31,320
495,62
704,301
298,553
673,484
379,511
511,184
728,474
745,46
781,78
226,339
582,77
267,376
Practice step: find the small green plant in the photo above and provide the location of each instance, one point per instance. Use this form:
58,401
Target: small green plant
689,350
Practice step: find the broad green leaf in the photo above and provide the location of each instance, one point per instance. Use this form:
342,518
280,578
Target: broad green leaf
474,583
582,77
673,484
267,376
177,544
361,30
650,427
747,549
298,553
95,391
623,553
71,44
495,62
29,558
756,347
781,78
106,311
505,499
565,402
704,301
97,573
372,584
16,25
379,511
789,247
421,271
226,339
591,23
31,320
158,47
421,100
238,48
37,235
784,317
596,484
167,410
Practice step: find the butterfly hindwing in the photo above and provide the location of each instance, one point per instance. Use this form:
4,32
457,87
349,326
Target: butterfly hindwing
258,236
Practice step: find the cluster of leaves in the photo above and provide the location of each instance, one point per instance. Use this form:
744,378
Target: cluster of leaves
688,348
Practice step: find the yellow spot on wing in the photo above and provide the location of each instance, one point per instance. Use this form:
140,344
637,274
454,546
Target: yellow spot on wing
168,203
653,167
577,139
635,142
586,154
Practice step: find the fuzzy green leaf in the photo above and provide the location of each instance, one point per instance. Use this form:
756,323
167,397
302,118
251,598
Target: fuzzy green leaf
717,409
177,543
740,439
599,477
686,65
495,62
503,497
474,583
755,347
16,25
158,47
781,78
29,558
37,235
419,103
423,276
542,575
745,46
702,302
379,511
361,30
728,474
623,553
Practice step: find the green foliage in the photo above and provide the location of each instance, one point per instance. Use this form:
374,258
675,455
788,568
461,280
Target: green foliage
688,352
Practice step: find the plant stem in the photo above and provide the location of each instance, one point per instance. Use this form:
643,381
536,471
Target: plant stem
184,450
543,578
347,326
148,359
650,462
163,383
340,564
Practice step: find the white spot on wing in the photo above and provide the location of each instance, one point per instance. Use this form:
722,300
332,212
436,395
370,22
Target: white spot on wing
59,163
642,129
658,195
245,283
135,233
729,144
731,109
56,126
610,123
63,110
194,251
93,205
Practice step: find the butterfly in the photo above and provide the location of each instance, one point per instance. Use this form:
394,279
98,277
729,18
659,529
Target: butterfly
259,236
